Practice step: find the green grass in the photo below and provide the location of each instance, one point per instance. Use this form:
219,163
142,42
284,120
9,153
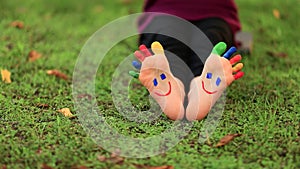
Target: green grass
263,106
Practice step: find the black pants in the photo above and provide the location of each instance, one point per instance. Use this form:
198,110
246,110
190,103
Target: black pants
184,62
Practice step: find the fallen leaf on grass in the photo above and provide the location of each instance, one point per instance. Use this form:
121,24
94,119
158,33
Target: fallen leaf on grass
277,54
114,158
45,166
140,166
115,153
57,73
226,139
5,76
42,105
66,112
17,24
276,13
33,55
79,167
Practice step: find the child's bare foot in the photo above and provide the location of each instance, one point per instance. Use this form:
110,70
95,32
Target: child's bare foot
218,73
156,76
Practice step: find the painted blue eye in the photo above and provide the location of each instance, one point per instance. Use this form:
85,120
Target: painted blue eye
155,82
163,76
218,81
209,75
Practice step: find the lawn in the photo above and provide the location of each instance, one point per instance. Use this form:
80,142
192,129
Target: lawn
262,107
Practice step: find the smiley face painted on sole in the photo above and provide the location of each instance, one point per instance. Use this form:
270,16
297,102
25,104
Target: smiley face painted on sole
217,83
218,73
163,79
156,76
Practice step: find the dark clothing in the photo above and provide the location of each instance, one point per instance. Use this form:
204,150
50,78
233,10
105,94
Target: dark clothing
215,29
217,19
195,10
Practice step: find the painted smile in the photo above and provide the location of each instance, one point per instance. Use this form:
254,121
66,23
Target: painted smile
208,92
159,94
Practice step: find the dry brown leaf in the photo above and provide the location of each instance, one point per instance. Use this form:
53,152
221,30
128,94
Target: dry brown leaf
114,158
115,153
66,112
57,73
276,13
5,76
45,166
42,105
277,54
226,139
17,24
33,55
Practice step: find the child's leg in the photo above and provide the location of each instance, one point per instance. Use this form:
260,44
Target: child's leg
174,50
216,31
218,73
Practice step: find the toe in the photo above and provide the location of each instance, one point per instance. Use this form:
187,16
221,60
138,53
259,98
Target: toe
145,50
157,48
235,59
139,55
237,67
238,75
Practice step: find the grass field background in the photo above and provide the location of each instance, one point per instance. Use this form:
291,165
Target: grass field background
263,106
